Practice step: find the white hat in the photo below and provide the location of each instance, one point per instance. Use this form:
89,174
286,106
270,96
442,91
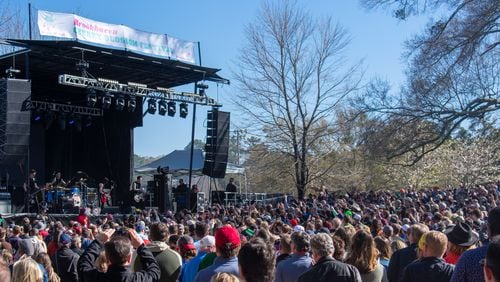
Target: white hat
207,241
298,228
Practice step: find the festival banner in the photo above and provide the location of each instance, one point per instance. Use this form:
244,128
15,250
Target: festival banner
117,36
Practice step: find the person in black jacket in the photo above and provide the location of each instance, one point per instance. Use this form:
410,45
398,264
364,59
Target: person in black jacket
118,251
401,258
326,267
65,260
431,267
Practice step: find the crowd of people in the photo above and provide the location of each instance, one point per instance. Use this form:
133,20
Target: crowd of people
439,234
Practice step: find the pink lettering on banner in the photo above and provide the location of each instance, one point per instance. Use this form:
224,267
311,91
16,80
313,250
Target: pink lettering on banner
94,27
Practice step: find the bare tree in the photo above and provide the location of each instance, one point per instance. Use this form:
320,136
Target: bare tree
452,76
12,23
293,77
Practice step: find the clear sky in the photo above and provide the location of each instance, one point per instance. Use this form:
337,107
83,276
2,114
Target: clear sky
377,38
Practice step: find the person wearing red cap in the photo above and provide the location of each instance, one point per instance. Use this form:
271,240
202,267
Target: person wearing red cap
227,245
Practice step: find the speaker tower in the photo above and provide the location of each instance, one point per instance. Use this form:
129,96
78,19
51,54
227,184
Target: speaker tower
217,145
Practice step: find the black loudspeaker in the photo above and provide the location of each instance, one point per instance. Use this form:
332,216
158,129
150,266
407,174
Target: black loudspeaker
217,145
162,198
14,129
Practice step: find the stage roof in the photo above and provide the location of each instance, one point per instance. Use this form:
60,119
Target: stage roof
54,57
177,160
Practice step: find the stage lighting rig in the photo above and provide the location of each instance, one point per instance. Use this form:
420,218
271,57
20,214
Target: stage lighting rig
120,103
106,101
171,108
162,107
201,89
152,106
183,110
91,98
131,104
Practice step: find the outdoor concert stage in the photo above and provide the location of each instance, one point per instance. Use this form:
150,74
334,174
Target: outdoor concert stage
60,130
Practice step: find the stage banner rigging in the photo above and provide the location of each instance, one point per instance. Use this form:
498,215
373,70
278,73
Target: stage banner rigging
119,36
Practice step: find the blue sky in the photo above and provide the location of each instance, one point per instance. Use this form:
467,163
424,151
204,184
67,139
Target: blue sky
377,38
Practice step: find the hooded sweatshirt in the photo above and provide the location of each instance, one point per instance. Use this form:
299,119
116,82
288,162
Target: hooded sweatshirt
169,261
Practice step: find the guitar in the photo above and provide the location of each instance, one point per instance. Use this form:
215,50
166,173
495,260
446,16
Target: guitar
139,197
106,195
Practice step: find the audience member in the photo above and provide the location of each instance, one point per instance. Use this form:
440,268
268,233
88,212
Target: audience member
431,267
227,245
65,260
299,262
326,268
364,256
468,268
257,261
168,260
492,261
119,253
400,259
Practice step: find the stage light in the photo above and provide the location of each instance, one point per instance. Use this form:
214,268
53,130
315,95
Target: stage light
106,101
37,116
91,98
152,106
183,110
131,104
72,119
201,88
88,121
162,107
120,103
171,109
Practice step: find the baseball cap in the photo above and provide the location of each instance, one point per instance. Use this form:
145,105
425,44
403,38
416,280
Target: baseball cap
227,236
65,239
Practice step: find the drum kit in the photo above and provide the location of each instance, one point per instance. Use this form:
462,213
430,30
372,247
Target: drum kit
69,199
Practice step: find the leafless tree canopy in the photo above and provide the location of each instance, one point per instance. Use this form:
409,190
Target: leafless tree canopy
452,76
293,77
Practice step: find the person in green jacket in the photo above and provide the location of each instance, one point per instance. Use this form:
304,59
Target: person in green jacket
169,260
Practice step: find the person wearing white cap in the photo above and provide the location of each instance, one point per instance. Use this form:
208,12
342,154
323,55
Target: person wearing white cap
190,269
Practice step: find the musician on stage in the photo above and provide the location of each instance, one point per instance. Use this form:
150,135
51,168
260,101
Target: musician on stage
30,193
231,188
103,196
138,192
58,181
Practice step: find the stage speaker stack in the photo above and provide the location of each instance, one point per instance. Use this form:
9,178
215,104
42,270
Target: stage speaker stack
161,198
217,145
14,129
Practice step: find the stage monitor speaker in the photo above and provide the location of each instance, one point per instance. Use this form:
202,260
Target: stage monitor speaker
14,129
217,145
162,198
